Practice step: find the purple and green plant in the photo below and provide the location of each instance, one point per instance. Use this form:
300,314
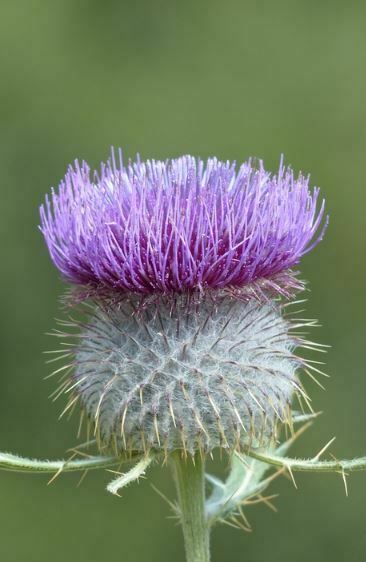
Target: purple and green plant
185,340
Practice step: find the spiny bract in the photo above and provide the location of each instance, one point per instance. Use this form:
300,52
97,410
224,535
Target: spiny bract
216,374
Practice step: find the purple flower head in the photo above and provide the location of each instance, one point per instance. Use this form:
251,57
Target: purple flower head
180,226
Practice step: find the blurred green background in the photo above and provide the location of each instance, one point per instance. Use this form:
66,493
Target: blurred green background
231,79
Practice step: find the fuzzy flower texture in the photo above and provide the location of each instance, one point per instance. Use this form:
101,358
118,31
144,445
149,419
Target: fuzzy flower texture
187,345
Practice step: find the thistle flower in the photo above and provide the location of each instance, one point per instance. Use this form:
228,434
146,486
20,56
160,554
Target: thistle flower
180,225
184,349
187,346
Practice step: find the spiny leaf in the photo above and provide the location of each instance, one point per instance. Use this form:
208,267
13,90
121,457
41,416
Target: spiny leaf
134,474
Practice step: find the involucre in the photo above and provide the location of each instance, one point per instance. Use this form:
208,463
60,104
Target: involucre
193,377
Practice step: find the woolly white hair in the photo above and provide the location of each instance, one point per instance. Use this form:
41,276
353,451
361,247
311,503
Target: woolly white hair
220,373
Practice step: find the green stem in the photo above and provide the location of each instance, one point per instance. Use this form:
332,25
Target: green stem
190,482
309,465
22,464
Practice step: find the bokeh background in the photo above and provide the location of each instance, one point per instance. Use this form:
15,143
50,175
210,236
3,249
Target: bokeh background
232,79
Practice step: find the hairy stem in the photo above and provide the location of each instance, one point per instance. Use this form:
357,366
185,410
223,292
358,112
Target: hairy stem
22,464
190,482
309,465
